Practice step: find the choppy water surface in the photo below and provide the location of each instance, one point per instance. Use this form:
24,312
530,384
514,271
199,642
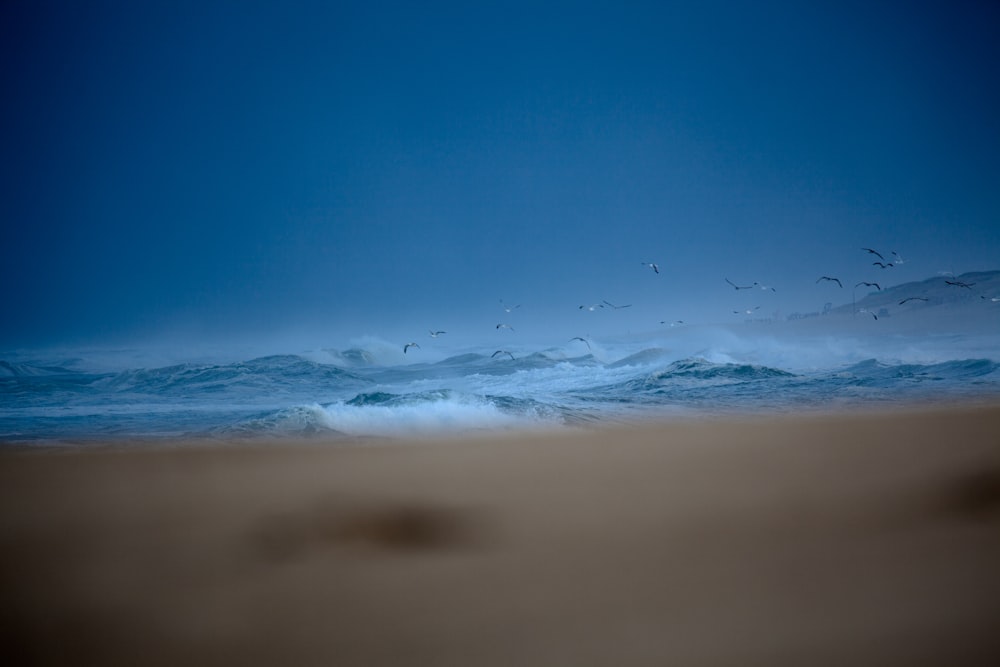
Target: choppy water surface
378,391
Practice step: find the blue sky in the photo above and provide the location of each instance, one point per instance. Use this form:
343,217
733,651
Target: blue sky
345,169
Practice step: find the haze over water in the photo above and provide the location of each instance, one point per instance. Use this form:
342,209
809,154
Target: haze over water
917,344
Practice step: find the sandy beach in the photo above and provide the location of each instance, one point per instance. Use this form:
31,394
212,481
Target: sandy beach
861,539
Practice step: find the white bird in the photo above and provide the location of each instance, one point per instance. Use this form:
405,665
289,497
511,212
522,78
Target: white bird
435,334
675,323
898,260
408,346
507,308
617,307
505,326
651,265
592,307
748,311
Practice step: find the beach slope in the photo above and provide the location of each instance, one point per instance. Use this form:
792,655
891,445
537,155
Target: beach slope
862,539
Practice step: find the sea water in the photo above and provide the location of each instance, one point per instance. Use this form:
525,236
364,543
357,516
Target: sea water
373,389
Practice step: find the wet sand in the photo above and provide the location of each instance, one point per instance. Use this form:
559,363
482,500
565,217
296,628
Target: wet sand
861,539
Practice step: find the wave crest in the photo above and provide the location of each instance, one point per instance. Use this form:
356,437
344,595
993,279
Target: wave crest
396,415
264,373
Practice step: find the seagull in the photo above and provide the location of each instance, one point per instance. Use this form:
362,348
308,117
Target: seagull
507,308
579,338
835,280
874,252
651,265
617,307
898,260
768,287
408,346
593,307
875,285
869,312
959,283
914,298
505,326
675,323
739,287
748,311
883,266
994,299
502,352
435,334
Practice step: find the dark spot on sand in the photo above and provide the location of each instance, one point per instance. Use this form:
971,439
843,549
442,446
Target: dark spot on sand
405,527
392,527
976,494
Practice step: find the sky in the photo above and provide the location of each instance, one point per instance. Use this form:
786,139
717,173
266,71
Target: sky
238,170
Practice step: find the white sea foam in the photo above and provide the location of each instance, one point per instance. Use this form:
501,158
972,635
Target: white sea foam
452,414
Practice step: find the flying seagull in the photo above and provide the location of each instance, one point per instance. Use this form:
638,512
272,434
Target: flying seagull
875,285
505,326
579,338
748,311
883,266
994,299
651,265
959,283
874,252
435,334
898,260
869,312
408,346
834,280
507,308
914,298
675,323
739,287
617,307
502,352
592,307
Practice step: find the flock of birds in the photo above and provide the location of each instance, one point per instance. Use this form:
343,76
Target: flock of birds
882,263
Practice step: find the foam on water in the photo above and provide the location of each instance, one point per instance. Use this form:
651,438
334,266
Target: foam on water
390,415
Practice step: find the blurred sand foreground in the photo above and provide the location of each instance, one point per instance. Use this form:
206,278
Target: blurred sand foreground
834,540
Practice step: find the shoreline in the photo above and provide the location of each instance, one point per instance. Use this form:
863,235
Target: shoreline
639,419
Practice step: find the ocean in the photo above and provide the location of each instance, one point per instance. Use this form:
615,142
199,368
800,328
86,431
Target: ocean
372,389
